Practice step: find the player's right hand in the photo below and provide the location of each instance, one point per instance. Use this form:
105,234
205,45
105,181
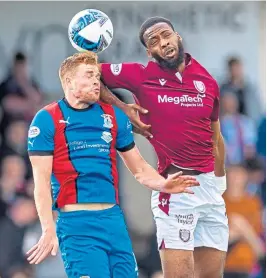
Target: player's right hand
139,127
177,183
47,245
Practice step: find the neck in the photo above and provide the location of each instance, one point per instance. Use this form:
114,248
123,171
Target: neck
181,67
238,81
75,103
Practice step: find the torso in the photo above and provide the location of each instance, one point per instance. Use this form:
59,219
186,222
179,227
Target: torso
83,156
180,114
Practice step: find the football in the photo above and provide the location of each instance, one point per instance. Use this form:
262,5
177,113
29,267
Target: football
90,30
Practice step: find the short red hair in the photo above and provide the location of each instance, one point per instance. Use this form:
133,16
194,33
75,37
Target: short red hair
72,62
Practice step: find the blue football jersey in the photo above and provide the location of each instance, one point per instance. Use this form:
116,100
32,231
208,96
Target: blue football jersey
83,143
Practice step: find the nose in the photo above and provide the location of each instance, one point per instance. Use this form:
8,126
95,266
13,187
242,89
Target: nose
164,43
96,81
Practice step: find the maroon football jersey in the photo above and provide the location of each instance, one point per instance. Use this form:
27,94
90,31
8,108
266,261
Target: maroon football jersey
181,108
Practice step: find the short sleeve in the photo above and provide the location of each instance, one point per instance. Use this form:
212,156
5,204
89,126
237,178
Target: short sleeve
216,104
125,139
122,76
41,134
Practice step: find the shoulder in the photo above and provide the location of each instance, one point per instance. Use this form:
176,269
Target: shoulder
48,112
51,107
201,71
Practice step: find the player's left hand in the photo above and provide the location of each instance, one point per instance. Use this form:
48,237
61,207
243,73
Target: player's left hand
177,183
47,245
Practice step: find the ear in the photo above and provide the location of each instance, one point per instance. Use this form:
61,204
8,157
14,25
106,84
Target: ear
179,37
68,83
148,53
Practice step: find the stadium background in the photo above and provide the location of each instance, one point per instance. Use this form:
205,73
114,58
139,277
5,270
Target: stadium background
212,32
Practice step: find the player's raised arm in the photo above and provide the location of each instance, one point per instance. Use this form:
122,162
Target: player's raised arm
40,148
142,171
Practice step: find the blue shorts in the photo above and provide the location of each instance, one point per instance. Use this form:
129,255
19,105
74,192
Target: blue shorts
96,244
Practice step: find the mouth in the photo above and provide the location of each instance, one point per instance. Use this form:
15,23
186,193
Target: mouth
169,53
97,90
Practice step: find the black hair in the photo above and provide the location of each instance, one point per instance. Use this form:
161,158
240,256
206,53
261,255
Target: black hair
19,57
232,60
150,22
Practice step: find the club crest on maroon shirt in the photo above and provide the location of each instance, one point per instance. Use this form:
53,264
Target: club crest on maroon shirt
200,86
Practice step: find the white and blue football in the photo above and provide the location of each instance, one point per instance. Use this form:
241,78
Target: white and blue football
90,30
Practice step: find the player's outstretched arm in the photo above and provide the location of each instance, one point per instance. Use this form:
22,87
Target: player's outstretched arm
48,244
148,176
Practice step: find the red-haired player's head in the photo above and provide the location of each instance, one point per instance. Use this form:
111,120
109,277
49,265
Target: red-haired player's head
80,77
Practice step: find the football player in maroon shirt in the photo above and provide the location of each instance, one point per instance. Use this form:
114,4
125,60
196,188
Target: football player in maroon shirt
183,126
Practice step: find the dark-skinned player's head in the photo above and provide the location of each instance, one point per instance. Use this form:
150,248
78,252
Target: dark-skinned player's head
162,43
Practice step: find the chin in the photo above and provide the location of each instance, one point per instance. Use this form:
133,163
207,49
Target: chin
93,99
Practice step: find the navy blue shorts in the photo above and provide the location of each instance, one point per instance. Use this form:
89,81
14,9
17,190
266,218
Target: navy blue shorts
96,244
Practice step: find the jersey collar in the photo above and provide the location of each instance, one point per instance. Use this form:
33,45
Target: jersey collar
75,109
155,69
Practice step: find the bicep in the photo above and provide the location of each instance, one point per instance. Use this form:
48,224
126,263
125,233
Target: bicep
216,103
132,159
41,134
42,169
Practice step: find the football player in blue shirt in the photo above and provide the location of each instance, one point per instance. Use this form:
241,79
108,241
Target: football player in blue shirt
72,145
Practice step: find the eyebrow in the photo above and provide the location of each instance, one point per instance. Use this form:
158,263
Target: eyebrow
153,36
89,71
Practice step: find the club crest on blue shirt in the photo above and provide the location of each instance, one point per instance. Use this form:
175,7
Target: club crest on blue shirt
106,136
107,120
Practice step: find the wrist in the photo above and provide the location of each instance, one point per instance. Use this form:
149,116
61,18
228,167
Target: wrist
158,185
161,185
220,172
221,183
48,228
123,106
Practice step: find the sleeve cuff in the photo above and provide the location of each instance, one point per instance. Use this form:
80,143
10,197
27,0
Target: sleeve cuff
126,148
40,153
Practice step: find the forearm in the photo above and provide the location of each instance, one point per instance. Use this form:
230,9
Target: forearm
142,171
108,97
149,177
43,200
219,153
